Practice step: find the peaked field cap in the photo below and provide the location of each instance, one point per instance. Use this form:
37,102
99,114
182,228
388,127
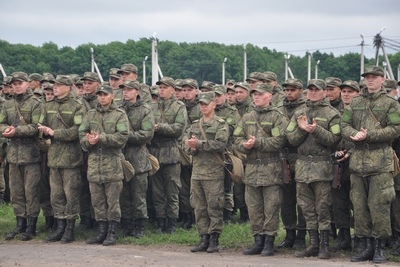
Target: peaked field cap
35,77
263,88
131,84
255,76
206,97
154,90
128,68
293,82
243,85
333,82
178,84
390,84
7,80
376,70
269,75
230,81
47,77
190,82
114,73
105,89
207,85
91,76
19,76
320,84
64,79
167,80
49,86
73,77
352,84
220,89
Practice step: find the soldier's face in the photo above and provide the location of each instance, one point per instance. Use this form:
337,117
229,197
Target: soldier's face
332,92
220,99
374,82
6,89
19,87
348,94
253,84
261,99
128,76
104,99
79,90
292,93
130,94
49,95
231,97
115,82
241,94
271,82
90,87
165,91
207,109
314,94
179,94
61,90
189,93
44,84
34,84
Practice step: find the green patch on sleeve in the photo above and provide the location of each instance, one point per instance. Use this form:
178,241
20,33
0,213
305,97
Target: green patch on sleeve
379,109
84,127
394,118
147,126
266,123
346,116
335,129
78,119
51,112
35,119
320,119
121,127
359,108
179,118
275,132
66,112
229,120
237,131
2,117
250,122
41,119
292,125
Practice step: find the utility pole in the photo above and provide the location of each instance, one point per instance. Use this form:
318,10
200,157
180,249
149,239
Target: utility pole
144,69
154,61
309,65
379,43
287,56
2,71
244,62
362,56
92,52
316,69
223,71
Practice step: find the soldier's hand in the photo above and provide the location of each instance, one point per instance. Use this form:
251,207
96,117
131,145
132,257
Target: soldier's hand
155,127
9,132
302,122
249,144
361,135
344,158
192,142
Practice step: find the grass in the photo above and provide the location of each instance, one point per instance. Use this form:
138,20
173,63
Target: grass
234,236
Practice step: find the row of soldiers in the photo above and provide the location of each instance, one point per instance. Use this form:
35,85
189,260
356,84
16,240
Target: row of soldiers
257,128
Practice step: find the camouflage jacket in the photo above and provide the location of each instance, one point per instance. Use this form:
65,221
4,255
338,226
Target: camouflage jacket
89,102
145,93
232,117
3,140
193,110
277,97
336,103
103,165
314,161
263,167
65,149
118,97
206,166
141,132
366,159
164,145
245,106
23,147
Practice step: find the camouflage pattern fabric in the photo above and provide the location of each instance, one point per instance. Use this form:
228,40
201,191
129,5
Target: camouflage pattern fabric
105,199
133,197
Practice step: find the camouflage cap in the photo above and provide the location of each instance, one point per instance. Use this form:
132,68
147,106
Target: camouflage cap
49,86
206,97
376,70
178,84
128,68
114,73
73,77
333,82
190,82
207,85
255,76
64,79
35,77
79,81
105,83
91,76
390,85
220,89
131,84
320,84
1,85
38,91
270,76
362,83
230,81
263,88
7,80
105,89
154,90
19,76
47,77
352,84
293,82
243,85
167,80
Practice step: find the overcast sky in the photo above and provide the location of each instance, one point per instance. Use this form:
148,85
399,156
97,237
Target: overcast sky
286,25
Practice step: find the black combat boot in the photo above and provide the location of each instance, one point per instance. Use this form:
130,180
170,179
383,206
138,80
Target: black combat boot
58,234
396,250
161,224
345,240
213,245
111,235
30,230
268,249
257,247
68,236
171,226
49,223
127,227
139,226
86,222
1,198
203,246
101,234
244,215
227,216
324,245
379,252
300,241
313,248
21,227
188,221
332,232
359,245
288,242
368,253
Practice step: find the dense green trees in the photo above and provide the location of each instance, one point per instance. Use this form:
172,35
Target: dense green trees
202,61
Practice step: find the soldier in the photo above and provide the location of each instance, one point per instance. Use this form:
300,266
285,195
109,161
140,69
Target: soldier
34,81
49,92
206,139
104,132
154,93
114,78
47,78
207,86
261,135
133,196
8,92
391,88
254,79
3,146
372,121
277,96
294,100
130,72
231,96
170,122
79,91
333,91
315,131
230,84
18,122
60,123
178,89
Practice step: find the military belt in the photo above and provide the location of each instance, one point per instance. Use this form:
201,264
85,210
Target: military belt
103,151
311,158
374,146
290,150
164,144
262,161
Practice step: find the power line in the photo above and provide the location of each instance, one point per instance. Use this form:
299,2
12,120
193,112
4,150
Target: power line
316,40
326,48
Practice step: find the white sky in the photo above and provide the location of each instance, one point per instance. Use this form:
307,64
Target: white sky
287,25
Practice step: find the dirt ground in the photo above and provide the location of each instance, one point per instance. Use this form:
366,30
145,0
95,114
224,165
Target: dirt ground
79,254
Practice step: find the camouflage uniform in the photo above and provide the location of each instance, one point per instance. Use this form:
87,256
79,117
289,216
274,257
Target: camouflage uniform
278,97
145,93
3,146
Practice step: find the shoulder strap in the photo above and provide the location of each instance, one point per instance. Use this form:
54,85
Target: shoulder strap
162,114
87,105
21,118
61,118
205,138
377,123
102,130
259,126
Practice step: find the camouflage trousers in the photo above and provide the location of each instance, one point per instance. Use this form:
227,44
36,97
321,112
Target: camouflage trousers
372,196
184,192
264,203
45,202
65,187
342,205
228,197
239,196
85,201
291,218
133,197
166,183
105,200
2,179
315,200
207,200
24,189
396,211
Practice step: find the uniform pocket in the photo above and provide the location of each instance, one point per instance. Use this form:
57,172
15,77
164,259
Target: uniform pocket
388,193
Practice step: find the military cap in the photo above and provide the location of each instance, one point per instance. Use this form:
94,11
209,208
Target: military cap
105,83
114,73
49,86
362,83
91,76
320,84
206,97
178,84
63,79
73,77
230,81
154,90
255,76
390,85
263,88
19,76
131,84
105,89
190,82
207,85
79,81
352,84
47,77
373,70
243,85
270,76
333,82
167,80
128,68
7,80
293,82
35,77
220,89
38,91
